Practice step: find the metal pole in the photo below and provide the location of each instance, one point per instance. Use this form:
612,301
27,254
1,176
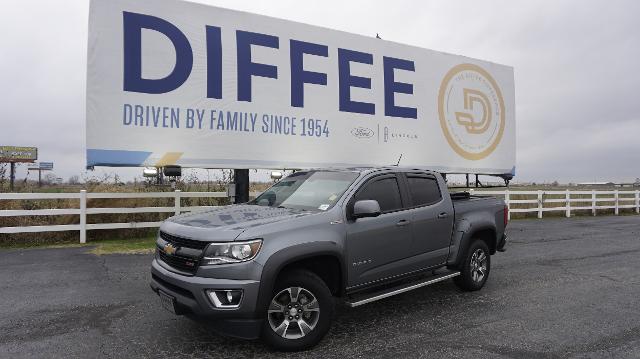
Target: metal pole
241,179
39,177
12,176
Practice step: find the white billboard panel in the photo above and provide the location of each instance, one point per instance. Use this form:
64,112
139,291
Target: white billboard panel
172,82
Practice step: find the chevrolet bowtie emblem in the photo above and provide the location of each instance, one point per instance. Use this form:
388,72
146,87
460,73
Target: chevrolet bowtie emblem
170,249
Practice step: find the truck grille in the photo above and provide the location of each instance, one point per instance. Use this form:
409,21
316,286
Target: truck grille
183,242
182,263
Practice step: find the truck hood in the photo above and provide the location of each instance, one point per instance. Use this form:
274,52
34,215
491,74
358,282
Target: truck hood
226,223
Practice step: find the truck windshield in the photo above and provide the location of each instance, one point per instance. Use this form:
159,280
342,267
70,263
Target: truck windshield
312,190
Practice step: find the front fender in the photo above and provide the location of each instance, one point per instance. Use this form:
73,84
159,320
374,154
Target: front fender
280,259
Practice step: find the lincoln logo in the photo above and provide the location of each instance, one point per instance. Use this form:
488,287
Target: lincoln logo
170,249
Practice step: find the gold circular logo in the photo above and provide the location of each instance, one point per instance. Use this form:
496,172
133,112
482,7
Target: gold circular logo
471,110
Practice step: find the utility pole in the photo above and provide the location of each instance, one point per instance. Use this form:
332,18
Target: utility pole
241,179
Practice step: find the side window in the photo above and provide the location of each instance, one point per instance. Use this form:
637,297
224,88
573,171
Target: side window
385,191
423,190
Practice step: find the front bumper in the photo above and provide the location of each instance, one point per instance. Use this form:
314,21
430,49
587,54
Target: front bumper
502,243
193,302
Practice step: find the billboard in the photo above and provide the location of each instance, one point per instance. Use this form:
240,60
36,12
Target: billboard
42,166
18,154
177,83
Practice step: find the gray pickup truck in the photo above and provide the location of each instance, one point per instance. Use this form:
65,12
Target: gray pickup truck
274,267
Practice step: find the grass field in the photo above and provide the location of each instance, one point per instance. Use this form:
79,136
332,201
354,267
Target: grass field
109,246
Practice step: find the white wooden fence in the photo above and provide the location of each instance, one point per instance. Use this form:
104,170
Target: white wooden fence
567,201
83,211
535,201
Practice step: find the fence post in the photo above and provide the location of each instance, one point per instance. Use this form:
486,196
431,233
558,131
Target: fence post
616,197
506,202
83,216
637,201
539,204
567,197
593,202
177,201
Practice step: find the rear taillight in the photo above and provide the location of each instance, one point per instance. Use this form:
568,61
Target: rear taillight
506,215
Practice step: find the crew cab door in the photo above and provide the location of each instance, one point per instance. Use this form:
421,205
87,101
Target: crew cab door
377,245
432,215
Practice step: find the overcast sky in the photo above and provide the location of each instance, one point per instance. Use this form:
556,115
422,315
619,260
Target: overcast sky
576,72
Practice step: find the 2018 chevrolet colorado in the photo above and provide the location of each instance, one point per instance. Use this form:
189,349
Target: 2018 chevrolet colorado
273,267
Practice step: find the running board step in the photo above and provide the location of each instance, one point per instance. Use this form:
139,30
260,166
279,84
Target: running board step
360,299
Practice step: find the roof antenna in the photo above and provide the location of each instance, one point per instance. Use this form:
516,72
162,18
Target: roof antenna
398,164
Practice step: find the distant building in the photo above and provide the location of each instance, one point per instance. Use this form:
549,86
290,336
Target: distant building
608,184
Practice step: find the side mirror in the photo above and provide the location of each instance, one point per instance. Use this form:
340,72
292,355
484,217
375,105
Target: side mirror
366,208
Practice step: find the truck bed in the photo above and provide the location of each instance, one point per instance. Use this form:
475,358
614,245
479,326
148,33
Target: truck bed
465,203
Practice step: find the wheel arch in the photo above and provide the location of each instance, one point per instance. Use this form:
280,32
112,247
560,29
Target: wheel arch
321,258
485,233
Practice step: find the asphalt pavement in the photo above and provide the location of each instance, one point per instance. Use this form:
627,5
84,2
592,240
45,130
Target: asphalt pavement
565,288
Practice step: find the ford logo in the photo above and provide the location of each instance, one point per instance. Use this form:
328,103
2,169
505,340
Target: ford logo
362,132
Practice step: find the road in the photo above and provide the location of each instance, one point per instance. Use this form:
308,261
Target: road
565,288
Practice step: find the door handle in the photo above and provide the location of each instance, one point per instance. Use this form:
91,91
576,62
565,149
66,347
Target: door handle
402,223
443,215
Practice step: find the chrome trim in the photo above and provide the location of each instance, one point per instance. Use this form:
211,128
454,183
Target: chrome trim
402,290
211,293
366,285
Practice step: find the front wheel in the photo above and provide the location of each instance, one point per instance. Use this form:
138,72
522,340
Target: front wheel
299,313
474,270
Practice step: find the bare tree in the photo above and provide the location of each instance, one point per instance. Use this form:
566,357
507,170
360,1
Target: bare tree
75,179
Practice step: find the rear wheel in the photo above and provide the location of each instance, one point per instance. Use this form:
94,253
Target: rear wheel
474,270
299,313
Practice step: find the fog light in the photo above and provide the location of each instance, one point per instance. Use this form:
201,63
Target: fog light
225,298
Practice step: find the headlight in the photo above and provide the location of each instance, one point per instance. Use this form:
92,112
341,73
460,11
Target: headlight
232,252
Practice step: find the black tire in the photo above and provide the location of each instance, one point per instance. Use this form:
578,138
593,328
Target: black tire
469,279
310,285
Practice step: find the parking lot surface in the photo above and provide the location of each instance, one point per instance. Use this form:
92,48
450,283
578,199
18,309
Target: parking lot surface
565,288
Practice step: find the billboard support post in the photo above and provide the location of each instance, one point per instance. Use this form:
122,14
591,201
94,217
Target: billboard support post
241,179
42,166
12,176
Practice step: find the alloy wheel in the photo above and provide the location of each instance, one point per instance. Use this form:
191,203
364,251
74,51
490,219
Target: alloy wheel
293,312
478,265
